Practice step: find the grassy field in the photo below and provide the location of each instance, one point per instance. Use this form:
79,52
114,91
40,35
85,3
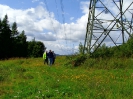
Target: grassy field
95,79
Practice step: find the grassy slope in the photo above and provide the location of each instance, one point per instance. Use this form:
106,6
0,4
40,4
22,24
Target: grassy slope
31,79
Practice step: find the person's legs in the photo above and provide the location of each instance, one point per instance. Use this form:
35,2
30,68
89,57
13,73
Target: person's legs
51,61
44,61
47,61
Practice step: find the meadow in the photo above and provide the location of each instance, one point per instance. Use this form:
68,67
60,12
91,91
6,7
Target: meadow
94,79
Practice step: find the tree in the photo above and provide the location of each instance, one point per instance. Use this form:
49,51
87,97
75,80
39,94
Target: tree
5,38
14,30
21,45
35,49
14,34
102,51
1,39
81,48
38,49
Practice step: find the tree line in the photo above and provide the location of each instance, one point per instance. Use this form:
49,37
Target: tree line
14,43
123,50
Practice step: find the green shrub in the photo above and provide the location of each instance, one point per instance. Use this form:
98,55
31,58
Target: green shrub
75,60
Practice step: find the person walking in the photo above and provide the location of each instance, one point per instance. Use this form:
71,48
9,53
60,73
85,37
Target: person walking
45,57
54,56
50,57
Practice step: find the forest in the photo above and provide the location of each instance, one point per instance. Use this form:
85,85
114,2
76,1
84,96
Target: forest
14,43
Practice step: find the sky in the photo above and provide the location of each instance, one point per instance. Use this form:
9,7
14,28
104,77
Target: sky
59,24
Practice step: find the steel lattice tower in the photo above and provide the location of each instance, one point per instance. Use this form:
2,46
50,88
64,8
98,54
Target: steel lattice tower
109,22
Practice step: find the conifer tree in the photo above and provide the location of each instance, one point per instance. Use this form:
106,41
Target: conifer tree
5,37
22,44
14,30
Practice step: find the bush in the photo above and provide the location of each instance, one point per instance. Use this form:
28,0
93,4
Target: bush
75,60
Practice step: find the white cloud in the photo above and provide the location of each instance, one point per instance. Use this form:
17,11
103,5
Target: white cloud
71,18
84,7
34,1
42,3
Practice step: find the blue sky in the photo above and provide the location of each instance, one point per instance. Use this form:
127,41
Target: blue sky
59,24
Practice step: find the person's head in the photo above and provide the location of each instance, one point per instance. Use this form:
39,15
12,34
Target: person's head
49,50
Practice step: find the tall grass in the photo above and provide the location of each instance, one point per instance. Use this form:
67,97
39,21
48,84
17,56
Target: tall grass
93,79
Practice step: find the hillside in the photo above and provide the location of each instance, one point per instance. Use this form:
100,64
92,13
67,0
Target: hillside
94,79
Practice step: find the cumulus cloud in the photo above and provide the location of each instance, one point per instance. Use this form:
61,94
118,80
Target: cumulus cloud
85,6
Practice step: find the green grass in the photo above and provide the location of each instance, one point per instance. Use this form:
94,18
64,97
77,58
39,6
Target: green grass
95,79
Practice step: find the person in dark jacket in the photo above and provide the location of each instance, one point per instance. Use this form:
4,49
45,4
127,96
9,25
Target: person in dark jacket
54,56
50,57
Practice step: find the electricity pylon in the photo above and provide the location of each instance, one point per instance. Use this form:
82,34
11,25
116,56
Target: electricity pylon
110,22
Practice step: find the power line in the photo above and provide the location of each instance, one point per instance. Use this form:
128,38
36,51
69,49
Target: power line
45,1
52,21
62,8
57,9
63,18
